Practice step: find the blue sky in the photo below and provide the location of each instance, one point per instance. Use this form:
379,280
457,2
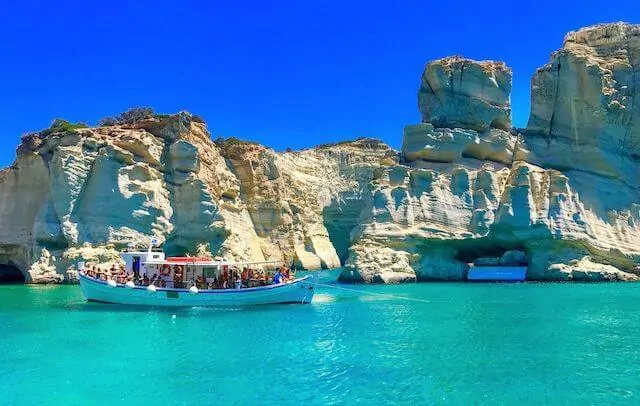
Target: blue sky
283,73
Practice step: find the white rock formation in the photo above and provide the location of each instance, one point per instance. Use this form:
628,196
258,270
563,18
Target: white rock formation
562,195
565,192
82,195
459,92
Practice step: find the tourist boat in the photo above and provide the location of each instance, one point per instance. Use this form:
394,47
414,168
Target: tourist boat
209,272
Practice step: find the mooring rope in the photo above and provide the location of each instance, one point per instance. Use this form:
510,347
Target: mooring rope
412,299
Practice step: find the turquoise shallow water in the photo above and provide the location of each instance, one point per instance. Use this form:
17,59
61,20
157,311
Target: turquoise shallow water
465,344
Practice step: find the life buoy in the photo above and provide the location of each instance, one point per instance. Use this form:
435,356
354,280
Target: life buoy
165,270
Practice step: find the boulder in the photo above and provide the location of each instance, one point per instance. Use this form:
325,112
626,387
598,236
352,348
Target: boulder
439,265
513,258
373,262
586,270
460,92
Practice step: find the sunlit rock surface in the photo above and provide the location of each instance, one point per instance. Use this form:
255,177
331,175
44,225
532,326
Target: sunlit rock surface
564,191
459,92
560,196
82,195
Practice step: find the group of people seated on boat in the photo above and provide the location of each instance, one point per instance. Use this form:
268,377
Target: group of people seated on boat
247,278
227,279
120,275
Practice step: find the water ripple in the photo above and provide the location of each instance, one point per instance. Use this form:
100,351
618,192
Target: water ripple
457,344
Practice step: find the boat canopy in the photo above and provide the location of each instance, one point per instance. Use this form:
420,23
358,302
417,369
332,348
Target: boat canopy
200,261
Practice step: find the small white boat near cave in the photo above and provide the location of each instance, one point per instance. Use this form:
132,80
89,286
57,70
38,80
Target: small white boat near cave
187,294
497,273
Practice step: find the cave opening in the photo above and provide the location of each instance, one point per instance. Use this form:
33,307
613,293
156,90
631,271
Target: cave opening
470,251
340,218
10,274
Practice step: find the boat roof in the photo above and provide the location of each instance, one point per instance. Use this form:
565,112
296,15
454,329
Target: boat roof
205,262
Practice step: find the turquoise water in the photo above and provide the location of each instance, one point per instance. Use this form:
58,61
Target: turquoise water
464,344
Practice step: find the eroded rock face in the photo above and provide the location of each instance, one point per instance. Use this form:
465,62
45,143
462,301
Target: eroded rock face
424,142
561,197
85,194
585,112
462,93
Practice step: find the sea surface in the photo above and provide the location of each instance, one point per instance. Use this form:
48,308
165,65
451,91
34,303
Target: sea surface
438,343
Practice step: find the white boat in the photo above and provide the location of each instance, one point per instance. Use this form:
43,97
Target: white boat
194,271
497,273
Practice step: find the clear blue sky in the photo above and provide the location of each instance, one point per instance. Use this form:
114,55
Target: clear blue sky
283,73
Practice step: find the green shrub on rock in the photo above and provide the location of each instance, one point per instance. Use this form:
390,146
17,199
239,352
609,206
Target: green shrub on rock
130,116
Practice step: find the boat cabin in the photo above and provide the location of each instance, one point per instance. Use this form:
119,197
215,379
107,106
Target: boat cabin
203,272
136,260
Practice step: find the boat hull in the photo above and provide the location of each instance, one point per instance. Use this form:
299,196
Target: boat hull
298,291
497,274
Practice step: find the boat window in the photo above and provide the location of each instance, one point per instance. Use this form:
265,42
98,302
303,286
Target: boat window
209,272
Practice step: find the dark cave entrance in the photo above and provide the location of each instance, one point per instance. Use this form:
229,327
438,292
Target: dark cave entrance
340,219
470,251
11,274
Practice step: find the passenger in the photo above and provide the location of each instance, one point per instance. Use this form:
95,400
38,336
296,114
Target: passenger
278,278
286,274
245,276
225,280
177,278
145,280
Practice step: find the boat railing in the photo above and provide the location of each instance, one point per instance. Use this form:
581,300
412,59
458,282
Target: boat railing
212,285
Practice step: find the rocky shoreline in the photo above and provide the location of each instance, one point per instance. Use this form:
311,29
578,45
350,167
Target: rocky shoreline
561,195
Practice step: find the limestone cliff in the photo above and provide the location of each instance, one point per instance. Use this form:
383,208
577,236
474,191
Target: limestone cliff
564,191
561,195
88,192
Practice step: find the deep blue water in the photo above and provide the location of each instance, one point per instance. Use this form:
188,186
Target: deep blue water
452,344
